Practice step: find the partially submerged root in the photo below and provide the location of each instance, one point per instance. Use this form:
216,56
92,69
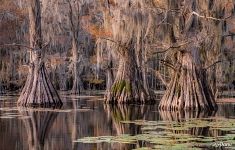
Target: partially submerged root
125,92
38,90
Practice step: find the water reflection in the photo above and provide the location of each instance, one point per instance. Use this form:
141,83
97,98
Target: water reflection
184,117
87,117
194,123
37,126
120,113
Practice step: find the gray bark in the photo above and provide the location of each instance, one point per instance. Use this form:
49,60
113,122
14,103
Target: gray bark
189,88
38,89
77,82
128,87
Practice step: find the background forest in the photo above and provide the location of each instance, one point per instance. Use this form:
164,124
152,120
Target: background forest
90,44
92,54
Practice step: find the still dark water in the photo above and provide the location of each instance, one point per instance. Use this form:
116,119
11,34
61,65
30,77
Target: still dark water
84,123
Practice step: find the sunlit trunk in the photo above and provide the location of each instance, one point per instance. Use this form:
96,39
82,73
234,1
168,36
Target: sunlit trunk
38,89
189,87
77,82
110,76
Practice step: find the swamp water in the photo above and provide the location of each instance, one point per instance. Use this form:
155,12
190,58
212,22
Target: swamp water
84,123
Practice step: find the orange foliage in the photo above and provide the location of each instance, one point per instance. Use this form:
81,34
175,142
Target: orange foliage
11,7
93,59
11,18
56,61
110,2
23,70
97,31
229,6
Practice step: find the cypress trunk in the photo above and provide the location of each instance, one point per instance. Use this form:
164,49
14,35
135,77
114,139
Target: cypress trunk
128,86
38,89
77,82
110,76
188,88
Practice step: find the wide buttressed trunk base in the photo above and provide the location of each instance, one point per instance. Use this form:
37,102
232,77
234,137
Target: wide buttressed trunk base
38,90
126,92
128,86
188,89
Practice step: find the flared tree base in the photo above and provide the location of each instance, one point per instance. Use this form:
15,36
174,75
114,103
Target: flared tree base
38,90
188,90
124,92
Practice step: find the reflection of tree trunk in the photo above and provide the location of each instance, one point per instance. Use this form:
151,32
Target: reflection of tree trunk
74,125
38,89
126,113
182,116
2,90
188,88
128,85
226,110
38,127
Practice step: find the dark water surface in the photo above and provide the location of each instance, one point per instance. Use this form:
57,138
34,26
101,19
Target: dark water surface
84,123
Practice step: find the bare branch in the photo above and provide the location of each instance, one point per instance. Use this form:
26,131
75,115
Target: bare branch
215,63
15,45
168,64
159,76
208,17
170,47
120,45
45,45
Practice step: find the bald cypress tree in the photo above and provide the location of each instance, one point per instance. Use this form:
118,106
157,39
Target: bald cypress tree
199,27
38,89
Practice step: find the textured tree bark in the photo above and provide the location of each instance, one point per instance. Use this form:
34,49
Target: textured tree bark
77,82
188,88
38,89
110,76
128,86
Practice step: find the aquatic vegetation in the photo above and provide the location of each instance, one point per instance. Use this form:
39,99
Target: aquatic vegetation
173,135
